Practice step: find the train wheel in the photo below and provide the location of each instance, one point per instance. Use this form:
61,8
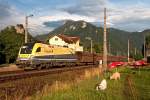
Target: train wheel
47,66
38,67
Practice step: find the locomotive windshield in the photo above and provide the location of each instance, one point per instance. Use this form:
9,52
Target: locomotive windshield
27,48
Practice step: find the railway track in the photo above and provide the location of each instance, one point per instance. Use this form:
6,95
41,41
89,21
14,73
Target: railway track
11,72
34,73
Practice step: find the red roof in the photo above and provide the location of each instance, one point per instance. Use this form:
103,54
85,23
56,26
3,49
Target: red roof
68,39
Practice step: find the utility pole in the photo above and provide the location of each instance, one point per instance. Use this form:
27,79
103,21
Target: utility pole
105,43
144,47
26,28
128,50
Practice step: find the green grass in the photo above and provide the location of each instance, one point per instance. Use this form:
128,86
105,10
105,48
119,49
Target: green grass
142,83
85,91
116,90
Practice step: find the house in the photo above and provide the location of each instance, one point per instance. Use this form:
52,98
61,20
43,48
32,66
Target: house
66,41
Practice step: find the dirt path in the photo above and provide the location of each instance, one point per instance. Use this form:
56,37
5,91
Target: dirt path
11,67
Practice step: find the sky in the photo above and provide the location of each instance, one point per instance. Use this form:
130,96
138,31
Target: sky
129,15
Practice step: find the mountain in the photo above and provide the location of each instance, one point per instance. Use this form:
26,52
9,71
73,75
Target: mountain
117,39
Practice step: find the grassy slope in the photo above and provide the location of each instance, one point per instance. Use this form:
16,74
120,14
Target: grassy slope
117,90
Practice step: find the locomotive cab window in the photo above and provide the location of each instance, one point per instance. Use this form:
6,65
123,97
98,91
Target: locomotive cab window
27,48
38,49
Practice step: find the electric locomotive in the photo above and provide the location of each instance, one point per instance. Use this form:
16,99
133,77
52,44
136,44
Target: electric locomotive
39,55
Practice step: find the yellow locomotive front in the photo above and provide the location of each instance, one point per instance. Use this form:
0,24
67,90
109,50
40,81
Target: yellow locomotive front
25,54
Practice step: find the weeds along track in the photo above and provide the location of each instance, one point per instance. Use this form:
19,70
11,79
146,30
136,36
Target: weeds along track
130,89
27,74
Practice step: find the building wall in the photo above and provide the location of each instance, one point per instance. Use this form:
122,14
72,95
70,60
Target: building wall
59,42
78,47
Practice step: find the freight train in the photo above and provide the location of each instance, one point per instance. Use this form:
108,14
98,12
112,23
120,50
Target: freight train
39,55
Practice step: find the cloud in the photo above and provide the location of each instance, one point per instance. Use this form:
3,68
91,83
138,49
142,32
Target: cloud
88,7
132,17
4,10
12,16
9,15
37,23
64,16
83,10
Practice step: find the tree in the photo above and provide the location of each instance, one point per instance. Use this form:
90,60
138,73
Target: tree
10,44
97,48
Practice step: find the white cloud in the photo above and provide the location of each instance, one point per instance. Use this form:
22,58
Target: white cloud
65,15
130,18
9,15
36,25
